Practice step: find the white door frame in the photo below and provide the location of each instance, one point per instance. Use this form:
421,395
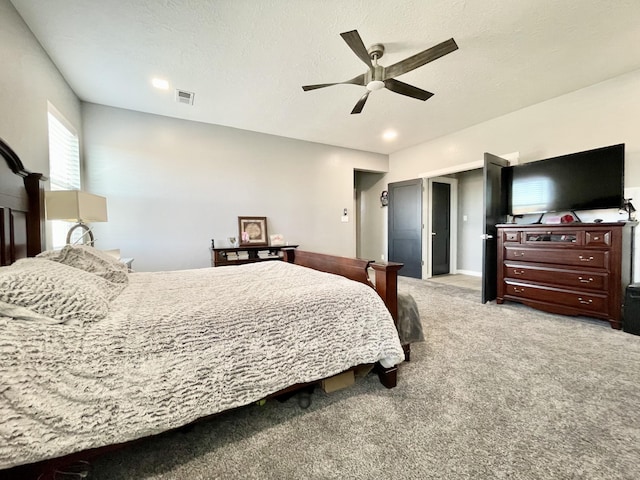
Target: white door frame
427,202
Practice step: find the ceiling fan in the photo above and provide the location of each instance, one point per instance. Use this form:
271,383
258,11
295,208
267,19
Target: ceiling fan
378,77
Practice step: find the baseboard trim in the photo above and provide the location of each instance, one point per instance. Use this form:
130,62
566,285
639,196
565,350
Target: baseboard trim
469,272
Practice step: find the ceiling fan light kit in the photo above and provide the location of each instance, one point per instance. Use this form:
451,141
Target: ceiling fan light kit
378,77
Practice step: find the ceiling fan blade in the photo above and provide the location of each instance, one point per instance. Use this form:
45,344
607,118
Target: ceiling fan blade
306,88
420,59
360,105
359,80
355,43
407,90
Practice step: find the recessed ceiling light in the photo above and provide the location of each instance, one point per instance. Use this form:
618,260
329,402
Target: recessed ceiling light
160,83
390,135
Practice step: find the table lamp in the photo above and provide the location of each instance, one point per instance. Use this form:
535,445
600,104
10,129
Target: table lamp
76,206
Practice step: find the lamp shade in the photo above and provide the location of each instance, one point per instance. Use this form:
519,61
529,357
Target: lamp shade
75,206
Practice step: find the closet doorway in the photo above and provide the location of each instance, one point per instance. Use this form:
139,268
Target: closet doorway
442,226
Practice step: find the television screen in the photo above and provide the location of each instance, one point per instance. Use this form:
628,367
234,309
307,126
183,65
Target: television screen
588,180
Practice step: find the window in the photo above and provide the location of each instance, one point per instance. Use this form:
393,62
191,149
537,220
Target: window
64,167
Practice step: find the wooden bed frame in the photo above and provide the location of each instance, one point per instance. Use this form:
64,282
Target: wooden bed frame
22,235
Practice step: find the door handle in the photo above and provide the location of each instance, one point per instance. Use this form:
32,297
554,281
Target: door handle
433,234
486,236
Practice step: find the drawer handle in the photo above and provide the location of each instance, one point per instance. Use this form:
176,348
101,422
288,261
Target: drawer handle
518,254
585,280
596,238
518,290
585,259
518,272
585,302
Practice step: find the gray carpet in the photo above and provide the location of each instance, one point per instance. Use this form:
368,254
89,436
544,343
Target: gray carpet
494,392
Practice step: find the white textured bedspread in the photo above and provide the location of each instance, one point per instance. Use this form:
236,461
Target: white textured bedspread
177,346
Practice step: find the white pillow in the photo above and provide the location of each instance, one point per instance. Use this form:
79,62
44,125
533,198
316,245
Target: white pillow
91,260
54,291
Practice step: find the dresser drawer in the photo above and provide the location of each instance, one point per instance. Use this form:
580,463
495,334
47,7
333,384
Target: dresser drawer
597,238
511,236
557,276
560,256
590,302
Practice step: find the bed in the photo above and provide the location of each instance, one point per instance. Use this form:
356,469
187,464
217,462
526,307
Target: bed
94,356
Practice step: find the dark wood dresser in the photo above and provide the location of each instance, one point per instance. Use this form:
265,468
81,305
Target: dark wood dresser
571,269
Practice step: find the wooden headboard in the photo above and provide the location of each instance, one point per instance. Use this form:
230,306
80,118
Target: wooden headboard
21,209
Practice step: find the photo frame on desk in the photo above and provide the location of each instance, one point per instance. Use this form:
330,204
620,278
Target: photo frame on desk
277,240
253,231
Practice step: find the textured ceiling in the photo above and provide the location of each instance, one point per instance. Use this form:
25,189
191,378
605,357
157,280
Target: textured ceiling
246,60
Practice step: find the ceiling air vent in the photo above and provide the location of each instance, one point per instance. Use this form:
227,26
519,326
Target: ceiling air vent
183,96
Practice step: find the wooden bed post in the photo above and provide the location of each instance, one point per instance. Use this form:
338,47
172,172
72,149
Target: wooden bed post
35,219
386,275
387,285
289,255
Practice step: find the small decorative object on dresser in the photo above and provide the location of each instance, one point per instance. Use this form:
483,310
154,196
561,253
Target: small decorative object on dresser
276,240
252,230
571,268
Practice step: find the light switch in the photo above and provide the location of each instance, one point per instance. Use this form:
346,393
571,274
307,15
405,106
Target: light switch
464,218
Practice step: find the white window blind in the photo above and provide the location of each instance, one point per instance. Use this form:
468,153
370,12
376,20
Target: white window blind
64,167
64,156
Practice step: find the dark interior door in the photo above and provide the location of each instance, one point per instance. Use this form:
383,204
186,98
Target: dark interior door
494,206
440,228
405,226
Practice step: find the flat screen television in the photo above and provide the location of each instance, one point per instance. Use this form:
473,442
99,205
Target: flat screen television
589,180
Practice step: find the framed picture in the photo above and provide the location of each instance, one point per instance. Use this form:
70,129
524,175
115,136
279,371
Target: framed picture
252,231
277,240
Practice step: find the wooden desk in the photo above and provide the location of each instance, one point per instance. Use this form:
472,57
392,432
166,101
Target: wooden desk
240,255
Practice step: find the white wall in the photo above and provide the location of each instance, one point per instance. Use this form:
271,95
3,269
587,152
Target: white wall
28,79
603,114
470,221
173,185
368,210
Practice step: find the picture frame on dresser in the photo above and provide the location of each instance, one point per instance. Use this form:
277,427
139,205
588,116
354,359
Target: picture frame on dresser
252,231
276,240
